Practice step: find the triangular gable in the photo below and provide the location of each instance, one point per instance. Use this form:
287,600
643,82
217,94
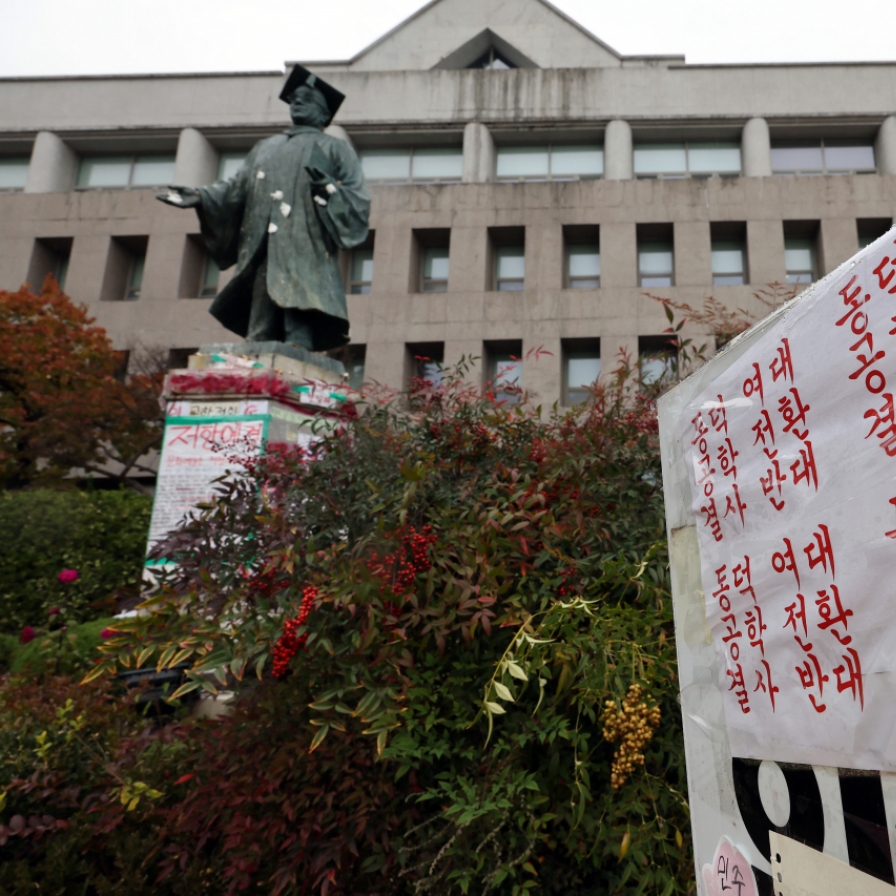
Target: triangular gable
443,31
467,54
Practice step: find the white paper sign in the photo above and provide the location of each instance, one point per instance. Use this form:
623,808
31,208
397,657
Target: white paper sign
791,455
194,455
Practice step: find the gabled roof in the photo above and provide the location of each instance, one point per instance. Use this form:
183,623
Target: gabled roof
440,34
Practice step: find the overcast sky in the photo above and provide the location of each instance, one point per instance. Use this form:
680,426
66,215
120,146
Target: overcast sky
52,37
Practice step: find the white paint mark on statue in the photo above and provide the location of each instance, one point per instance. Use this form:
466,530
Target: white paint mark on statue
285,209
272,228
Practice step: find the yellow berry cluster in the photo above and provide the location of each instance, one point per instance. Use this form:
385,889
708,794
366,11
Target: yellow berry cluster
633,725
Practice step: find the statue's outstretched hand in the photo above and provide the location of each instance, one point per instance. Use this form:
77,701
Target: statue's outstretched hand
181,197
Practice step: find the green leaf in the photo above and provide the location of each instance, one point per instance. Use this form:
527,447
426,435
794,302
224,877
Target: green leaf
318,738
503,691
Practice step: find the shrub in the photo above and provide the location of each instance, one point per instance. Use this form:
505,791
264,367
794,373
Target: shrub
100,534
487,591
68,651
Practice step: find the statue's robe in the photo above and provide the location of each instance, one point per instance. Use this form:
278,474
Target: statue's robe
267,207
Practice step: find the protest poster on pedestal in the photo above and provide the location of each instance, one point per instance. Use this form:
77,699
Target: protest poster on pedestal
779,462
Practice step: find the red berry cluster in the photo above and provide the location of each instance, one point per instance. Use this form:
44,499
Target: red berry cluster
566,588
288,644
399,569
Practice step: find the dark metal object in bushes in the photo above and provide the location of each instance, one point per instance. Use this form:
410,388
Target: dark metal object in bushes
159,685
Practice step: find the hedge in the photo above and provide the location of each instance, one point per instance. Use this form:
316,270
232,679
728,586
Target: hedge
101,534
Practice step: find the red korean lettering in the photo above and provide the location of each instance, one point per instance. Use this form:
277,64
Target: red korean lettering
763,427
865,361
717,417
755,628
754,384
784,560
850,300
885,417
882,281
892,533
711,519
700,427
820,551
796,612
721,594
773,479
793,412
849,676
804,468
727,457
811,675
741,574
731,635
831,611
765,684
740,691
733,504
783,364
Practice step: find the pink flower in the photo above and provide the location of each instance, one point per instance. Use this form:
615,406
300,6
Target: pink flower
107,633
54,611
27,634
69,575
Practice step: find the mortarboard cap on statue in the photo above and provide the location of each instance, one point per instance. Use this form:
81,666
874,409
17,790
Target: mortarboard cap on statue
299,76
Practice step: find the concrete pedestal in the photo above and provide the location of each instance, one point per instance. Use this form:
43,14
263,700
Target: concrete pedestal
232,402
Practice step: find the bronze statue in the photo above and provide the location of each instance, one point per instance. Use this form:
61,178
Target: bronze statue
299,197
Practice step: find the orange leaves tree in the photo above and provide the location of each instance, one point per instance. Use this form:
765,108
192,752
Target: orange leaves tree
64,404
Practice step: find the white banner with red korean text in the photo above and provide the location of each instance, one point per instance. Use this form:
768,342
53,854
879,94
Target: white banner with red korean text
791,454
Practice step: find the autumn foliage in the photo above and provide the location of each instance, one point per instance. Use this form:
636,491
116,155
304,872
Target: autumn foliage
63,402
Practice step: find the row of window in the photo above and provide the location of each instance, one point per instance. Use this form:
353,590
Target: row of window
655,253
502,364
123,278
444,164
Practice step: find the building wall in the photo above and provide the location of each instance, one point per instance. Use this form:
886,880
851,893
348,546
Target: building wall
198,117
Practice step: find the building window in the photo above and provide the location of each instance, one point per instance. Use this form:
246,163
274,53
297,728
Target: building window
424,364
229,163
126,171
361,278
815,157
135,276
50,255
582,256
504,370
581,369
510,268
435,270
799,259
871,229
689,159
425,164
125,262
429,270
657,359
208,287
492,59
549,162
179,358
508,251
13,172
728,263
656,264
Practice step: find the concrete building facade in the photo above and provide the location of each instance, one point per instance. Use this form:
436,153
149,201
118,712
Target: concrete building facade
530,186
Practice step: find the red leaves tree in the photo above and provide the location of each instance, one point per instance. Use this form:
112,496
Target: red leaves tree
63,402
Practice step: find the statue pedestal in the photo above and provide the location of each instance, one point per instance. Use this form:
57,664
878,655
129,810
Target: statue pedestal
232,402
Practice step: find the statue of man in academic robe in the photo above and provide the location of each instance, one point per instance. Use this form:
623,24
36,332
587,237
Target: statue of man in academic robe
299,197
